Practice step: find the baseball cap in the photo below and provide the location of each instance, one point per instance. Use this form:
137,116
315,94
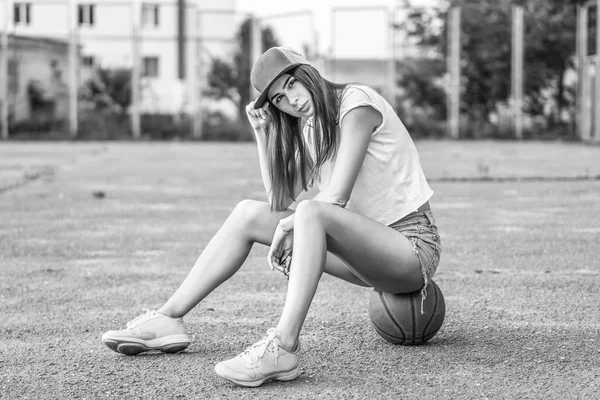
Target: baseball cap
270,66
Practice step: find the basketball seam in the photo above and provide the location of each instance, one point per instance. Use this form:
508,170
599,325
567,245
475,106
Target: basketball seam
391,315
434,309
413,316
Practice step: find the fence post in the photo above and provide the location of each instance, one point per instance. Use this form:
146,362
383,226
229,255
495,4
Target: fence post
330,59
581,50
392,55
517,70
195,91
316,54
4,69
453,66
73,68
134,107
584,122
596,137
255,47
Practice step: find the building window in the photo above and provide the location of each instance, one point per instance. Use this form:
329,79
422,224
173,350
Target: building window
86,14
150,15
22,13
150,67
88,61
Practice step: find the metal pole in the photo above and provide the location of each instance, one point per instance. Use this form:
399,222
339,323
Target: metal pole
199,116
578,57
255,47
4,69
194,95
181,37
392,56
317,57
596,137
73,68
582,49
517,70
330,61
454,72
315,41
135,70
585,77
313,50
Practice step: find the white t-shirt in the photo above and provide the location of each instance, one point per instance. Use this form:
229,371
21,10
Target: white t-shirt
391,183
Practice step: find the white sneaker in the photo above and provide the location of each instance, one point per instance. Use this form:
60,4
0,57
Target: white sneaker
263,361
149,331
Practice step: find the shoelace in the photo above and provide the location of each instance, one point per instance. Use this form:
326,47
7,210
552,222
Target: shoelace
147,313
257,351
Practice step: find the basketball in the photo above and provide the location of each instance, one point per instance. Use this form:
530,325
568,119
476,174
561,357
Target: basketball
397,317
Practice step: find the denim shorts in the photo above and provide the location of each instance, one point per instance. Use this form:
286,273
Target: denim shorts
419,227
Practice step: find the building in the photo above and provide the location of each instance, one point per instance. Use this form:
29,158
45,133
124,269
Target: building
371,72
37,84
173,36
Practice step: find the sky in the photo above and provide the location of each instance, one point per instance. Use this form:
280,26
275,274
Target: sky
343,28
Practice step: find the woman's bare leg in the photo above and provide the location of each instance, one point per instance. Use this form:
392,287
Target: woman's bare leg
250,222
380,256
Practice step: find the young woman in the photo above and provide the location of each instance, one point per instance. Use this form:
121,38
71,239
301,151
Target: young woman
370,223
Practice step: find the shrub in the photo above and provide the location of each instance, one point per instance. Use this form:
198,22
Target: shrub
218,128
421,127
104,124
165,126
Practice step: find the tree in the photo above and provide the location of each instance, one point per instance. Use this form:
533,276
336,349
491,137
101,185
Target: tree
232,80
550,50
222,80
109,87
422,102
486,57
550,29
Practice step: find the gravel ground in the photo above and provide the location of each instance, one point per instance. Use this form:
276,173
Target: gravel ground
91,233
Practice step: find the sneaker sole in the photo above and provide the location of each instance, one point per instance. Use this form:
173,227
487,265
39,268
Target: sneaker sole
280,376
131,347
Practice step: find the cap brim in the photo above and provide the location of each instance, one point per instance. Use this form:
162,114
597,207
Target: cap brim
262,98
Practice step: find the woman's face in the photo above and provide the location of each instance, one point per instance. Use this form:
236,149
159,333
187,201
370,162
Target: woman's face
291,97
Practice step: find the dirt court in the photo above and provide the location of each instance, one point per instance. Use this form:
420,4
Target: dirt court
91,233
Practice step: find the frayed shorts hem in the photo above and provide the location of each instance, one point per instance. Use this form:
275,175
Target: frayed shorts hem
421,230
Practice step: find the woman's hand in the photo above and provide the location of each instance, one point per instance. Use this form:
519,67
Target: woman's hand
280,254
259,119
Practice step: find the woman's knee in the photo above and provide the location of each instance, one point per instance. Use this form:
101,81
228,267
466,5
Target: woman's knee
310,209
247,213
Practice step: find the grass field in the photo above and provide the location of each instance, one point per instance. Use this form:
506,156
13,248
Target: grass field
91,233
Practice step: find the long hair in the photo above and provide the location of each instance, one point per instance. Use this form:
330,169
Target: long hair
289,158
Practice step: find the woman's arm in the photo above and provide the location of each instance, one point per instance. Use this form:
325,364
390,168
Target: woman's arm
261,145
355,134
260,120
